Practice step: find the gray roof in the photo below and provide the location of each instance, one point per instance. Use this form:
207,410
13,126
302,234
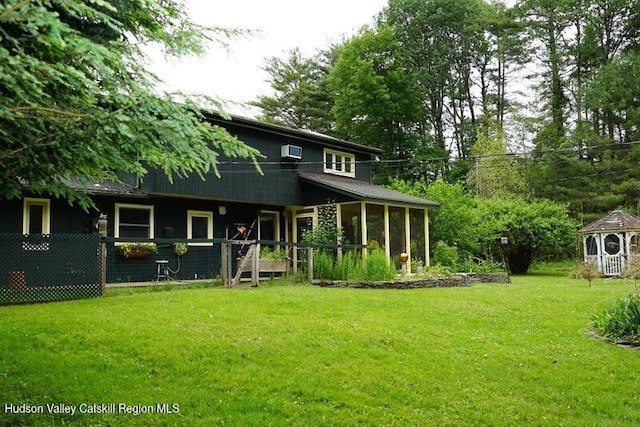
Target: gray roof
306,135
613,221
362,190
96,187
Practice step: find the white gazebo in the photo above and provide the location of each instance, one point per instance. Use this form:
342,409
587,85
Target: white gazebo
612,242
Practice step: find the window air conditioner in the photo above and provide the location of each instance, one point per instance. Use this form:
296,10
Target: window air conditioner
292,152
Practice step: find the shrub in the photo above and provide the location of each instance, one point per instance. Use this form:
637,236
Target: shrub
446,255
621,321
437,272
275,254
480,266
586,271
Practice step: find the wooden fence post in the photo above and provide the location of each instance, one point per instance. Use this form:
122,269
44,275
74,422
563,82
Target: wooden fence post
102,226
310,264
255,265
224,255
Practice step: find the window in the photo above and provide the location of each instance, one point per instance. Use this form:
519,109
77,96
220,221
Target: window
133,221
36,216
200,226
339,163
612,244
592,245
269,227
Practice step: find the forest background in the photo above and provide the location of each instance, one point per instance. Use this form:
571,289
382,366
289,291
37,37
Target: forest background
520,118
538,99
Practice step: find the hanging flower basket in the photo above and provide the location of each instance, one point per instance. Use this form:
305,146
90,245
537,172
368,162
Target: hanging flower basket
137,250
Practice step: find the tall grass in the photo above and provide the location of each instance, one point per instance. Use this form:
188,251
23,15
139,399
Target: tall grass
350,266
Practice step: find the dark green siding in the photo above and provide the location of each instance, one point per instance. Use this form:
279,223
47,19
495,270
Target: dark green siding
240,181
65,219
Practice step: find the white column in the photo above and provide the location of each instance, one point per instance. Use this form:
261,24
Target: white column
387,242
339,226
427,261
363,228
407,237
295,238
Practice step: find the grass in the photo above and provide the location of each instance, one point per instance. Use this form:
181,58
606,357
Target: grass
300,355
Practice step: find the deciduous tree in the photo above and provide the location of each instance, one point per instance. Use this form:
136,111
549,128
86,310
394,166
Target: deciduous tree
532,229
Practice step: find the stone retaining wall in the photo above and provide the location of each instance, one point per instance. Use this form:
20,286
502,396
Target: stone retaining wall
459,280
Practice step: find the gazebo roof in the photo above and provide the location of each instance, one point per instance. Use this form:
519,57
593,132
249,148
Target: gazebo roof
613,221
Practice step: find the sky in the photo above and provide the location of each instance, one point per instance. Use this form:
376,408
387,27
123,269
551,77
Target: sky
236,77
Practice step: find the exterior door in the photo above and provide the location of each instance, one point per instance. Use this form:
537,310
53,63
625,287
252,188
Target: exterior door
612,254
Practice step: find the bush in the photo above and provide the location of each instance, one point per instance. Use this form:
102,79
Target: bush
586,271
621,321
480,266
275,254
445,255
437,272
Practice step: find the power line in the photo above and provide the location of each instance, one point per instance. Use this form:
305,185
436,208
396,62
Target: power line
522,154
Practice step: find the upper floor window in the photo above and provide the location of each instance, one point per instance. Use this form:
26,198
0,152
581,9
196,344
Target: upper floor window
339,163
36,216
133,221
200,226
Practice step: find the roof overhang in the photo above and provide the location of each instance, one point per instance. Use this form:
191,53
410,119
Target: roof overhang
104,187
364,191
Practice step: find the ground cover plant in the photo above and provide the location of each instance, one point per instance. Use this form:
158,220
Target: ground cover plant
621,320
301,355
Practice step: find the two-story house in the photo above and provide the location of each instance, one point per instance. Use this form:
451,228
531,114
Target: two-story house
301,171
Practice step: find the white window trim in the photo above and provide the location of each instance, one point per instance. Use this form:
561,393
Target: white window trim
346,158
200,214
46,214
116,220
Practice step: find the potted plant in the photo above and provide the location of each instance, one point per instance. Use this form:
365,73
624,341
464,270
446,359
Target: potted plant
137,249
274,260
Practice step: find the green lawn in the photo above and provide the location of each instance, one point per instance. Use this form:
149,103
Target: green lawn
300,355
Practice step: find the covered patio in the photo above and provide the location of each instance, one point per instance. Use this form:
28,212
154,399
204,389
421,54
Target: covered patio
369,215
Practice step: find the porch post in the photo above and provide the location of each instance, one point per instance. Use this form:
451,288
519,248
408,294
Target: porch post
387,242
427,260
294,238
407,237
363,228
339,227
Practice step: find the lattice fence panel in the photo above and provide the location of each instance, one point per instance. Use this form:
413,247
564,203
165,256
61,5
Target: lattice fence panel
37,268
